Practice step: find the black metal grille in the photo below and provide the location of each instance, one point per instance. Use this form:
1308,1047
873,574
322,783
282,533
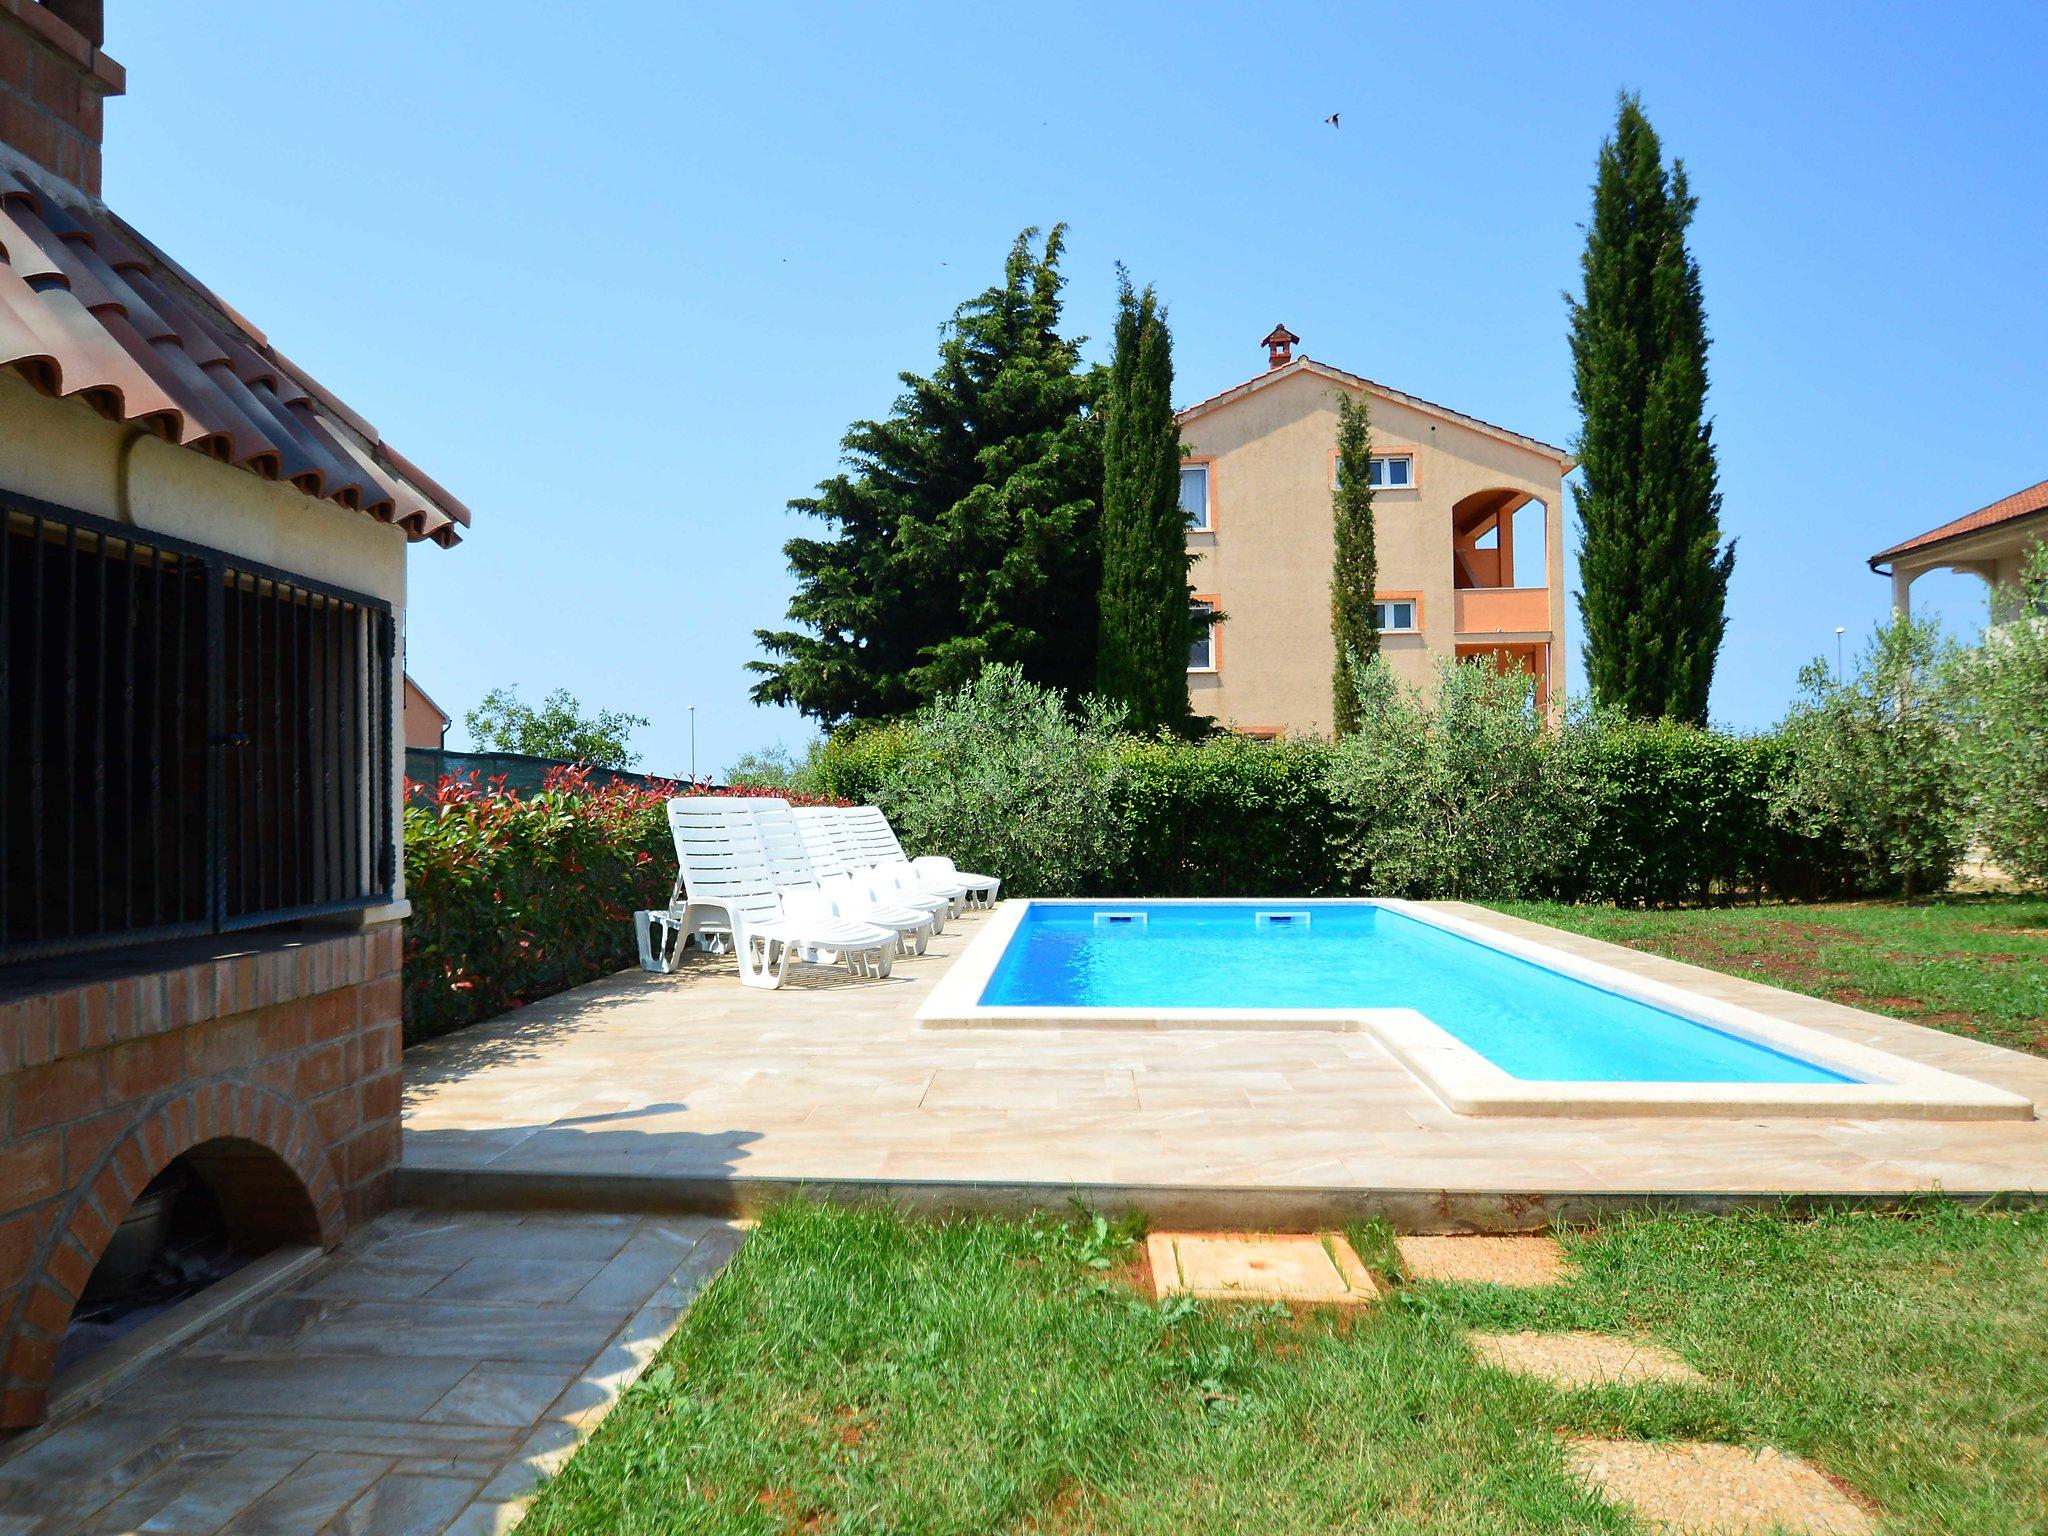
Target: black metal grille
192,742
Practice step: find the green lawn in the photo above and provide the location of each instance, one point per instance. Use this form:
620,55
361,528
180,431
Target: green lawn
1972,965
855,1373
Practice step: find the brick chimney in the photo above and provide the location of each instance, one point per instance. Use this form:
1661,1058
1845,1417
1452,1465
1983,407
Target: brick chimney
54,80
1279,344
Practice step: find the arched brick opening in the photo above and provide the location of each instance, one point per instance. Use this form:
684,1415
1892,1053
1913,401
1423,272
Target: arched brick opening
256,1150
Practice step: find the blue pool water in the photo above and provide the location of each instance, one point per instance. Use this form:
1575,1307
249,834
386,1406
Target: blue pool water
1531,1022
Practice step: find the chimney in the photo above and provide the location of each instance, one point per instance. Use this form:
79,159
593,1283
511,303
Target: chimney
1279,347
53,82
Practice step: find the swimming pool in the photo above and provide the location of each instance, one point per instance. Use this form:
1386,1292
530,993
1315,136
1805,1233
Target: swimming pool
1492,1021
1534,1024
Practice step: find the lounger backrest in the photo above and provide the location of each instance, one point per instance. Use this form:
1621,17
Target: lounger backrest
873,835
782,844
719,846
815,824
846,838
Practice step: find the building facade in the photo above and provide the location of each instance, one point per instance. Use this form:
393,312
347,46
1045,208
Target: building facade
1468,522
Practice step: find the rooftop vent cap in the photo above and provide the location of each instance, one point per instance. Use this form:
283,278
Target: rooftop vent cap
1279,345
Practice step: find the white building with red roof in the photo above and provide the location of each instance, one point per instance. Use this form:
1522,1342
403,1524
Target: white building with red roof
1993,542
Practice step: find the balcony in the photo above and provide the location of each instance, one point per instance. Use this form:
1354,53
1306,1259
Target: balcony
1503,610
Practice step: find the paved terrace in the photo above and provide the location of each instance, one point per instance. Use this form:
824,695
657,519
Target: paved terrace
690,1091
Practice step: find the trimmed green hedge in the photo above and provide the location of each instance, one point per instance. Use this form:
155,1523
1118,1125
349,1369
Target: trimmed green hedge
1637,813
1227,816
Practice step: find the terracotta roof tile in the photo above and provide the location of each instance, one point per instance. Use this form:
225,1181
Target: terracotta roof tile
2020,504
89,308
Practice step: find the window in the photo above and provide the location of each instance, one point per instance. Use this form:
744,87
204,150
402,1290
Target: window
1202,650
1194,496
1396,615
1385,472
189,742
1393,473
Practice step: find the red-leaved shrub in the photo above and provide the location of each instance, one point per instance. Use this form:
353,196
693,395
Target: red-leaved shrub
516,897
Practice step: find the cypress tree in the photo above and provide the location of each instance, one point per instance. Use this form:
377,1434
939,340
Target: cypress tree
1147,618
1354,567
966,526
1653,569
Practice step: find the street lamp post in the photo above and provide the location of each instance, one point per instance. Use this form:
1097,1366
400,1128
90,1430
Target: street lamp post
1838,653
693,740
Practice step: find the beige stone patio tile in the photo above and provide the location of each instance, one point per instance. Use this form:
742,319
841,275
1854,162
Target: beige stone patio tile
1482,1260
856,1089
1582,1359
1259,1267
1001,1089
1697,1489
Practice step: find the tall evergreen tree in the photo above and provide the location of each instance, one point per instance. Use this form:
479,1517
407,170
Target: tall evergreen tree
966,527
1147,605
1653,569
1355,566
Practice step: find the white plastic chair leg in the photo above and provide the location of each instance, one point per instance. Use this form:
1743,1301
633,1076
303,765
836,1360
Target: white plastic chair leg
661,941
763,962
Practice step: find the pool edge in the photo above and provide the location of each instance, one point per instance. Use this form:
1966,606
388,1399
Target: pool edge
1467,1083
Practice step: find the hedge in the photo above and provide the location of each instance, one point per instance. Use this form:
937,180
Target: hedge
1227,816
1637,813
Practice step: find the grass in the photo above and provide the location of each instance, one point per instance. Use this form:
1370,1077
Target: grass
856,1373
1972,965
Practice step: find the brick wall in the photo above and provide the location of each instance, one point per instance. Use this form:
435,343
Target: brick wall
54,81
276,1074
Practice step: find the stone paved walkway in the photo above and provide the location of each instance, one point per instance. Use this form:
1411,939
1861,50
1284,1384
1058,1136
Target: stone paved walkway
416,1383
692,1077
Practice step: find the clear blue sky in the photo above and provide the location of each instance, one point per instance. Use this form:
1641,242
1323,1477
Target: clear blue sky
619,275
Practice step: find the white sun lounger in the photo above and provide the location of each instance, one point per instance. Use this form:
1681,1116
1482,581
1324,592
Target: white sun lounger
877,858
726,891
879,842
800,883
830,844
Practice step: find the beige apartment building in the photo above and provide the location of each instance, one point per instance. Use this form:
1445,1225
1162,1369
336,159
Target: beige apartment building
1453,495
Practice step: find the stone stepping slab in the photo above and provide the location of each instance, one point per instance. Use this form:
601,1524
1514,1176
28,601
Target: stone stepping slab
1697,1489
1582,1359
1253,1266
1480,1260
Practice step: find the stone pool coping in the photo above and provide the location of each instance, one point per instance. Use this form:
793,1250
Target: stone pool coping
1468,1083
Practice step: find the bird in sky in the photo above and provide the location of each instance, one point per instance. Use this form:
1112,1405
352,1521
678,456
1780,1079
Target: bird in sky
1331,120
